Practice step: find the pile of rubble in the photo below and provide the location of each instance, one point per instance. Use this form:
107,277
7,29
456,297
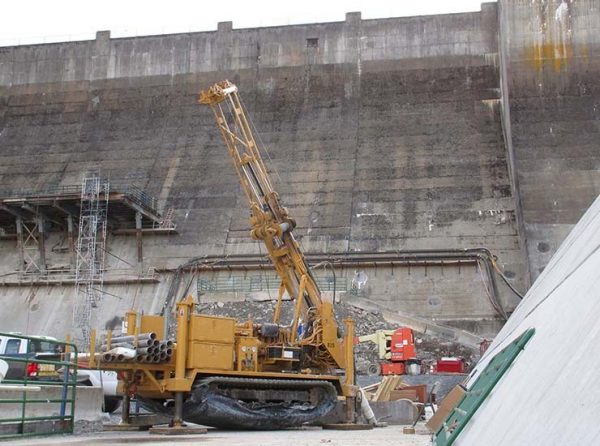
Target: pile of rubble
429,348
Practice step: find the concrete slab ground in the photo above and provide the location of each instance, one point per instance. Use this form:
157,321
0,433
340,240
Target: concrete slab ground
391,435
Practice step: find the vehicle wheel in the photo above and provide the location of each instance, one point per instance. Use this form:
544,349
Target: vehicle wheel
374,369
111,403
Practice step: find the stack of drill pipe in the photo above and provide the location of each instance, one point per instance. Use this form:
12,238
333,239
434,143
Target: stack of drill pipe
141,340
163,351
119,354
144,348
105,347
135,346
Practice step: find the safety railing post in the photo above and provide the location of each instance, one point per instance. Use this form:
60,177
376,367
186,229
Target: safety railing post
65,391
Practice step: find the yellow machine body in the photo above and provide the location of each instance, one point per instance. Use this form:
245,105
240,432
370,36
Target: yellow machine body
214,345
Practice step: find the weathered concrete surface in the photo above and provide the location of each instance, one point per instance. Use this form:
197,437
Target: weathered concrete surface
390,134
227,50
551,62
383,134
88,403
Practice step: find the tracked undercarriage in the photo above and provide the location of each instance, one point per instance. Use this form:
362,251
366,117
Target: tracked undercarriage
261,404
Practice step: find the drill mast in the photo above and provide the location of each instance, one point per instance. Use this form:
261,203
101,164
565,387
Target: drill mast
271,223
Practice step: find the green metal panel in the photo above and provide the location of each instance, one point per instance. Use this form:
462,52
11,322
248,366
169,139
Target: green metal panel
476,395
261,282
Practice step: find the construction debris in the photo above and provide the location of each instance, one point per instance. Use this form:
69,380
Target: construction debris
381,391
384,389
392,388
429,348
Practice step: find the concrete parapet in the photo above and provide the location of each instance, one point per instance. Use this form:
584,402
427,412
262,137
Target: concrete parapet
224,27
455,35
353,17
88,403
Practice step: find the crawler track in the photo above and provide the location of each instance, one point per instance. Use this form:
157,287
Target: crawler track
261,404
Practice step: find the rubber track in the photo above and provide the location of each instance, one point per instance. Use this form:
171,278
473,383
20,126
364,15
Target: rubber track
260,383
211,408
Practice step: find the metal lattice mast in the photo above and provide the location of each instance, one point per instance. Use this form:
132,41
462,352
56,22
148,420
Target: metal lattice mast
91,248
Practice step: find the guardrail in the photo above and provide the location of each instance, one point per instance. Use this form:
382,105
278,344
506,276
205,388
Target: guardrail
39,414
138,196
132,192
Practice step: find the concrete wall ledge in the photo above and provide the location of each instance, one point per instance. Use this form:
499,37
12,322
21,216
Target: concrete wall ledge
88,403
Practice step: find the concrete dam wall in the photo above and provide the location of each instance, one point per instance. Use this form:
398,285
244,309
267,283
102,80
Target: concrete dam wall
397,144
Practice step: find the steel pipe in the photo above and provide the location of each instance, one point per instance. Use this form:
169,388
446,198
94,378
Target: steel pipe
424,257
105,347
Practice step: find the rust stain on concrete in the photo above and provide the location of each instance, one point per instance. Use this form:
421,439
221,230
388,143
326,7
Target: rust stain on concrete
550,53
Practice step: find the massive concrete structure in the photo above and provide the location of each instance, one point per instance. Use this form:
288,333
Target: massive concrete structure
422,134
549,69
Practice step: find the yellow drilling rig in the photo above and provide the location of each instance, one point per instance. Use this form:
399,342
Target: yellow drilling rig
231,374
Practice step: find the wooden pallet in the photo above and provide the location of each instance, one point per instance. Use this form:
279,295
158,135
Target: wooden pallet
386,386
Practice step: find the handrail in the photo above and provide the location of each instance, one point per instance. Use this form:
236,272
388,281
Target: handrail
134,193
65,369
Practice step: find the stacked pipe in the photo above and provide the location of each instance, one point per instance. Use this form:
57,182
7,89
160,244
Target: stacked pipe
143,348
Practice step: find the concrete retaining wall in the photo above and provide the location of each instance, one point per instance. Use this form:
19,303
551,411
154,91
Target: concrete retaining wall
88,403
551,60
383,135
388,134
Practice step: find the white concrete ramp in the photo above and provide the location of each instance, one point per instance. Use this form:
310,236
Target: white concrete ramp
551,393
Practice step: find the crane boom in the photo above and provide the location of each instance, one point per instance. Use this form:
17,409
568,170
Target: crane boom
269,220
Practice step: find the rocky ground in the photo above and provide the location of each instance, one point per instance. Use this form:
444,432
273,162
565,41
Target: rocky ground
428,348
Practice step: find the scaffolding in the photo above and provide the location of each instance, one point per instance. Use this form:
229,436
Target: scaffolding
33,217
30,238
90,253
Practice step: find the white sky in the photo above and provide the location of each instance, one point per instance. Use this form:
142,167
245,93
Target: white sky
37,21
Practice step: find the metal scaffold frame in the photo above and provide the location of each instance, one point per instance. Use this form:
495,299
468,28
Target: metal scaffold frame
90,253
30,239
